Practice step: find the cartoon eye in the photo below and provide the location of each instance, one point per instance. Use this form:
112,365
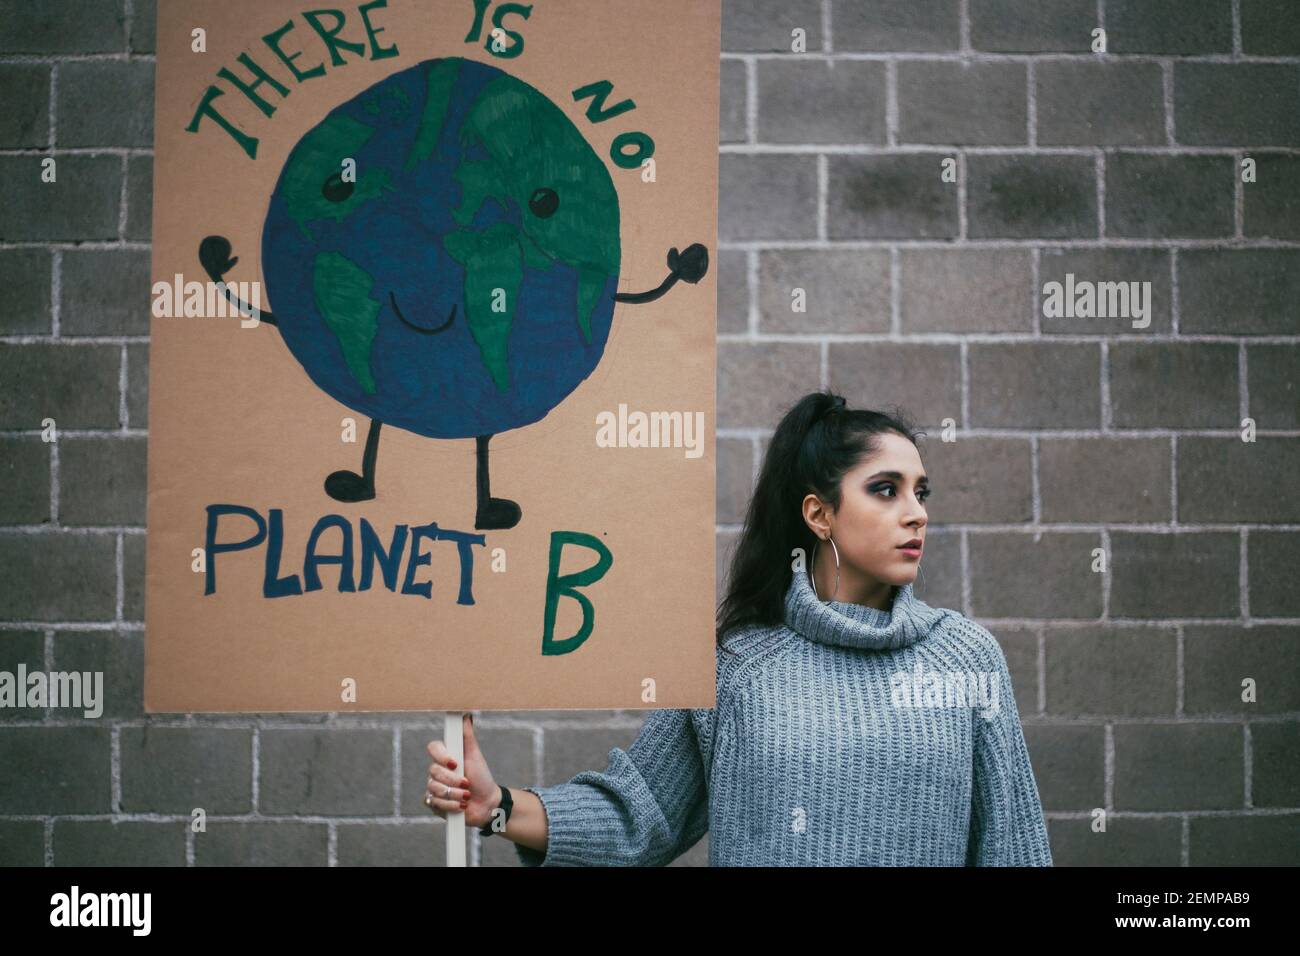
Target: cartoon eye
336,188
544,202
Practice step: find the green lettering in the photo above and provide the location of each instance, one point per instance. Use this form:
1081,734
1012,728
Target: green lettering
599,92
644,148
499,14
377,52
331,36
480,8
247,143
250,89
567,584
273,41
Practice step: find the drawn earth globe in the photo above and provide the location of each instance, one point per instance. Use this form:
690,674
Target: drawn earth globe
459,280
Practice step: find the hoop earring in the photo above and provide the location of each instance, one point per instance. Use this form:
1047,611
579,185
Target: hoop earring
812,578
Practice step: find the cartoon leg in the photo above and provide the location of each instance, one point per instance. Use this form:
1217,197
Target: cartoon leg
491,512
348,485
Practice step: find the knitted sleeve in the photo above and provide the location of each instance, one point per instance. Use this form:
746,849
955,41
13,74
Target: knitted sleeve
1007,826
646,808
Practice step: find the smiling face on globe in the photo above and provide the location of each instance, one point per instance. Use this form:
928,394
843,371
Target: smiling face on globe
463,284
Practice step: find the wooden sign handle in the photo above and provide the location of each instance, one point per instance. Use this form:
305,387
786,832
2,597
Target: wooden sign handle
453,735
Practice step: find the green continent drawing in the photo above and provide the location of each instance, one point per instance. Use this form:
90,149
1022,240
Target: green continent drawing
343,295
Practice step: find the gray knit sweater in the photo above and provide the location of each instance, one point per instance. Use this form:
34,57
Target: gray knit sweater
843,736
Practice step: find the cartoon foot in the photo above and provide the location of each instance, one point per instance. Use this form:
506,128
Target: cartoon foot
491,512
497,513
349,486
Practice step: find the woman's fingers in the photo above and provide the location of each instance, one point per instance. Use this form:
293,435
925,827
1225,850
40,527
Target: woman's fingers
443,807
446,790
438,751
443,775
440,796
454,797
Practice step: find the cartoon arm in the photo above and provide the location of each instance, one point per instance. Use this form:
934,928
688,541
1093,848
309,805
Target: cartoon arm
690,266
214,256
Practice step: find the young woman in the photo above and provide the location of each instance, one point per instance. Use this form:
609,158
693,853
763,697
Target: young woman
855,724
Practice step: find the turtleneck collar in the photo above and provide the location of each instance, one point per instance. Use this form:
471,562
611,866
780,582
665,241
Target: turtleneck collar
856,625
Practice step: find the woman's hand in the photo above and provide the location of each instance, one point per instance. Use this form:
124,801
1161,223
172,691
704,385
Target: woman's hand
473,792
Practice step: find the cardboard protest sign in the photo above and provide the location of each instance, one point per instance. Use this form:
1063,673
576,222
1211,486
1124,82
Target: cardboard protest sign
432,364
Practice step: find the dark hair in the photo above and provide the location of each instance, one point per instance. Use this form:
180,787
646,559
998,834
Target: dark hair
817,441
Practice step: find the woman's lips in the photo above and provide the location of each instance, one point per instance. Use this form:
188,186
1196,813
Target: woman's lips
912,551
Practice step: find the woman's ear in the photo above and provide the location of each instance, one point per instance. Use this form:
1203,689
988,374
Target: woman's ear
816,516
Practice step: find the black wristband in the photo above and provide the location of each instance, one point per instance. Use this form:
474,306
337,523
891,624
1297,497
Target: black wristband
507,804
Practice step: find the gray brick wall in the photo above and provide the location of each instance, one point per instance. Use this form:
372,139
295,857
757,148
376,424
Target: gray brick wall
1073,435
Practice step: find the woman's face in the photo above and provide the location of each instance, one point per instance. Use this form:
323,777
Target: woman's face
882,507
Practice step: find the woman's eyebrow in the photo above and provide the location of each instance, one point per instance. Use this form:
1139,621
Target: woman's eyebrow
898,476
